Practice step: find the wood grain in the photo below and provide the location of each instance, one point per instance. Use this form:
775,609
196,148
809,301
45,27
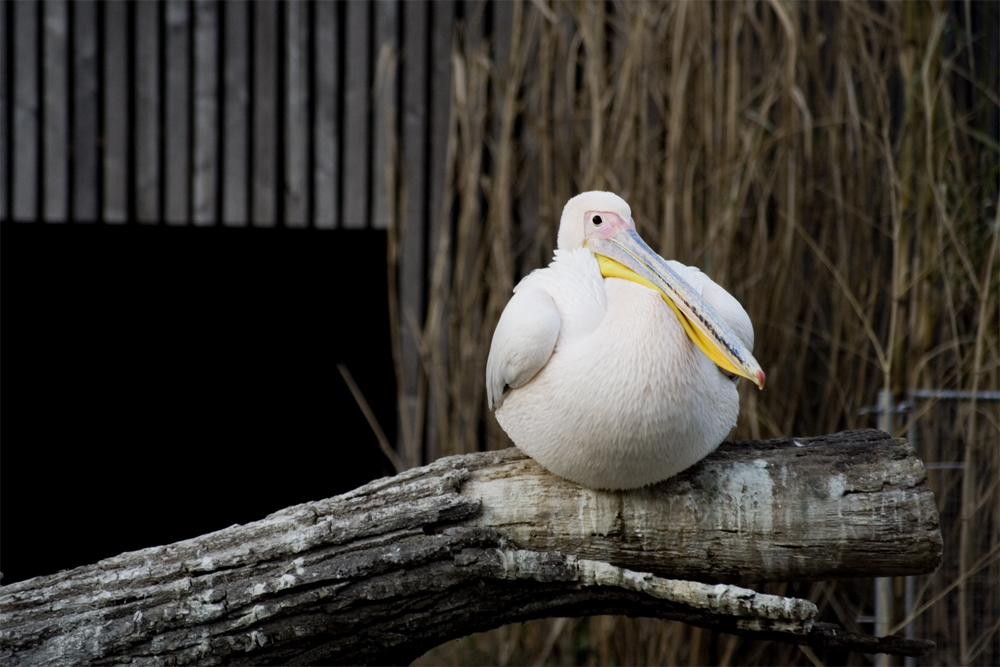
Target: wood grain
115,89
395,567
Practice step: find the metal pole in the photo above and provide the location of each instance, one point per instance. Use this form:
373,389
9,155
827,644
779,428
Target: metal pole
883,585
909,590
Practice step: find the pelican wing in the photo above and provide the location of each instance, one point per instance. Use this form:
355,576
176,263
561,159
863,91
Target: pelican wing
727,307
523,341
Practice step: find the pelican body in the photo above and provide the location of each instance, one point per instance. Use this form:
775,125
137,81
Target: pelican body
613,367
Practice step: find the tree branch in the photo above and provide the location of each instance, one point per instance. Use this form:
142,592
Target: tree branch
468,543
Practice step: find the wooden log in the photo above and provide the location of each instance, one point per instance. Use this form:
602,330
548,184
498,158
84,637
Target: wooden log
393,568
855,504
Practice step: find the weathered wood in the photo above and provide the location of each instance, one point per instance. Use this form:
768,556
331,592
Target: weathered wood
86,113
177,114
5,99
236,111
204,175
387,571
357,115
55,115
147,112
26,171
264,195
855,504
116,116
296,95
326,148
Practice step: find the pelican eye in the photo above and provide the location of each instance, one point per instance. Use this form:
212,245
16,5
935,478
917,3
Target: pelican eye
597,221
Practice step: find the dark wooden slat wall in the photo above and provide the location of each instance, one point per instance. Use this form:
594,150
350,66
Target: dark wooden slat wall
207,112
267,114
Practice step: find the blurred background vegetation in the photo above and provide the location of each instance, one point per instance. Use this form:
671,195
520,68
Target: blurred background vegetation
832,165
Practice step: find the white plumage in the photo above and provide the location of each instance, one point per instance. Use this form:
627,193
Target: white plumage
603,385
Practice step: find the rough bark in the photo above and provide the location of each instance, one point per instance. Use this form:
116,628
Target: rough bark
393,568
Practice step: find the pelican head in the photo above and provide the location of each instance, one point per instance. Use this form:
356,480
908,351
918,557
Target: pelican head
602,223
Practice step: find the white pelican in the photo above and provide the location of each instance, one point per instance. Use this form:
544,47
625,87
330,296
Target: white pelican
613,367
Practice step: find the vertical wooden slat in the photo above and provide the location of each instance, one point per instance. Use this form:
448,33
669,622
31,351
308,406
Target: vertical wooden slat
116,117
55,132
296,168
475,22
414,177
147,111
25,158
442,29
439,210
357,105
326,169
204,179
4,113
236,128
177,114
385,111
265,117
86,118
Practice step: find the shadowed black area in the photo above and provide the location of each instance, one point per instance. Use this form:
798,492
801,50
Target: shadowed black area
159,383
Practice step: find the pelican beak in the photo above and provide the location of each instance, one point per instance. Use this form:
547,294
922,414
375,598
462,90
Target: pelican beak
626,255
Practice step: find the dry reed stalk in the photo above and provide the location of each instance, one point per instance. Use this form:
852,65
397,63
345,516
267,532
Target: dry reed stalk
814,160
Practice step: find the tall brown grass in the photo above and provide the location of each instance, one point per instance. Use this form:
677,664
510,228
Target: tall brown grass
834,166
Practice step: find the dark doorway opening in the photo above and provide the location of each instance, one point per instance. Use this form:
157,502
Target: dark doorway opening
162,382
